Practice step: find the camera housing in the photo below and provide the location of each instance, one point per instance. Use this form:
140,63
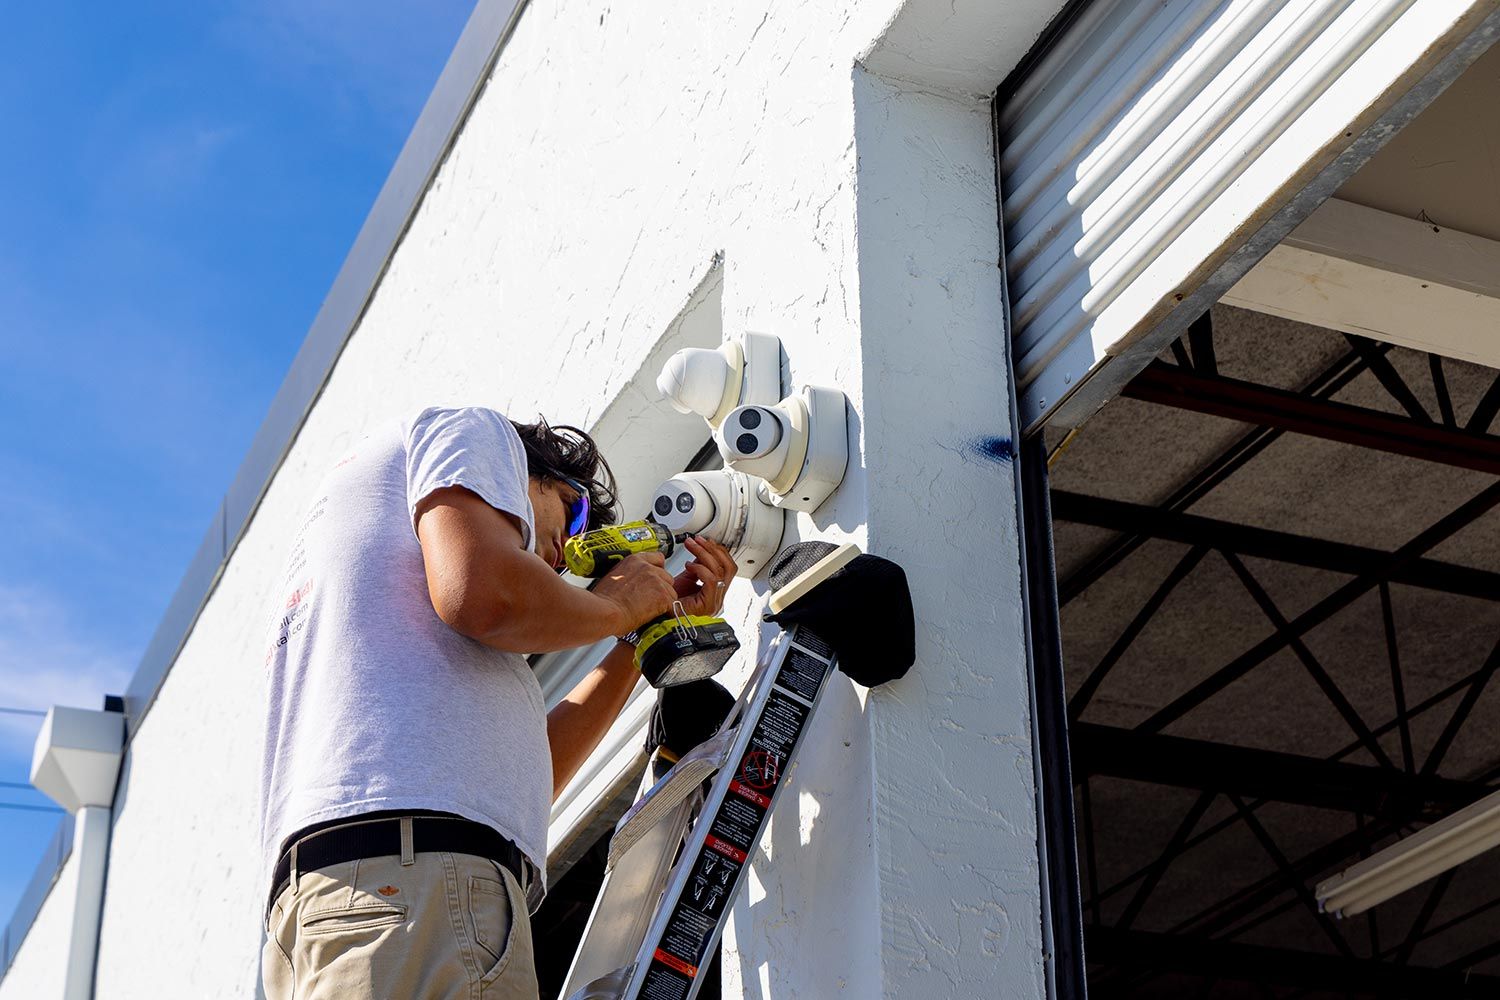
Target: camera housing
710,383
799,446
726,506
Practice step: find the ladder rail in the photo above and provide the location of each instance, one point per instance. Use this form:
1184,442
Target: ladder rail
626,901
690,919
635,878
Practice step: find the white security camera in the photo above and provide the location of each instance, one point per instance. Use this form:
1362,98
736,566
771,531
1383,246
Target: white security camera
726,506
710,383
799,446
758,440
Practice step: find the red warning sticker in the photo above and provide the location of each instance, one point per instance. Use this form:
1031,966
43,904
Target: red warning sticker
746,792
728,850
673,962
760,769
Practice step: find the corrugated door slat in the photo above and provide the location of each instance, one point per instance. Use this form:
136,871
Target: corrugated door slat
1156,137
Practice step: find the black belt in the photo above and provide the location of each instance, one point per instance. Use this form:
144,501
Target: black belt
380,838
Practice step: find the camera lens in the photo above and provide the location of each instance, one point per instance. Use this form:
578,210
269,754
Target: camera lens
746,443
684,502
750,419
663,506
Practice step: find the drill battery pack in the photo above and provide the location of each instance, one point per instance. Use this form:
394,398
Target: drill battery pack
677,649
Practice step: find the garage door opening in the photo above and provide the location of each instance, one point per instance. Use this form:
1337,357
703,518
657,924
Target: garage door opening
1280,629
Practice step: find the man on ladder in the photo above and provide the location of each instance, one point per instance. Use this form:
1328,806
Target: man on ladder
409,765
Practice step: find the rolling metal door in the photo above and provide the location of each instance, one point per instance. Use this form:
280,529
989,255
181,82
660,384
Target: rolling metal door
1160,148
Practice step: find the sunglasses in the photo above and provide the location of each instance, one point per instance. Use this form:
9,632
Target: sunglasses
578,510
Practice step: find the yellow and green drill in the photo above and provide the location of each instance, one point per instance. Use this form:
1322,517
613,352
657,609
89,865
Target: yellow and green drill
675,648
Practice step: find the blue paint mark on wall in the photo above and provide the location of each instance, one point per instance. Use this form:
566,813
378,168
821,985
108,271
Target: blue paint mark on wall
994,449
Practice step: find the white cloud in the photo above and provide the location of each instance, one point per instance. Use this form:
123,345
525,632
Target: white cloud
47,658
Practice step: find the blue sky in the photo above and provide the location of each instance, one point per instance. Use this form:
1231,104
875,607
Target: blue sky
179,183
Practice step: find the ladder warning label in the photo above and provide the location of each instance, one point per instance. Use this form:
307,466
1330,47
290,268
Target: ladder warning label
750,794
814,642
734,831
728,850
664,982
802,674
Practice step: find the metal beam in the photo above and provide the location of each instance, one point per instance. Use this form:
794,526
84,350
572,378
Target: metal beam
1485,409
1320,675
1201,335
1159,866
1058,836
1446,527
1265,543
1227,913
1398,685
1385,373
1356,425
1450,732
1107,751
1227,960
1323,858
1223,465
1091,683
1304,893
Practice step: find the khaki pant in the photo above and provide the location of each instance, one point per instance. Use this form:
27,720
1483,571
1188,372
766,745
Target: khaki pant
444,926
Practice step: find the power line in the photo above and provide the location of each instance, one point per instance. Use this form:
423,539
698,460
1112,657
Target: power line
18,784
22,711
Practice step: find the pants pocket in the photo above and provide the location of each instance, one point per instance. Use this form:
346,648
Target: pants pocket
337,920
491,920
275,970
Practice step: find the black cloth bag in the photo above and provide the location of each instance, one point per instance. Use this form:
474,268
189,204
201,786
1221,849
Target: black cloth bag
863,611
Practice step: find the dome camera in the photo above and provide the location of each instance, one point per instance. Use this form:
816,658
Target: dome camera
726,506
799,446
710,383
758,441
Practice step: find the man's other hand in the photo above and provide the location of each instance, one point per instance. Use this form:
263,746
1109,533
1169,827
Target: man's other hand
640,587
702,585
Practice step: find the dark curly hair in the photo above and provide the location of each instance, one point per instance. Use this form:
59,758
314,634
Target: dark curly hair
564,452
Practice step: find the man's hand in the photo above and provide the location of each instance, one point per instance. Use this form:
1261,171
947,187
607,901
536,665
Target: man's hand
702,585
640,587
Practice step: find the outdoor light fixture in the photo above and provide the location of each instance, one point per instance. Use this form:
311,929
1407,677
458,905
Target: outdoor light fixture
1445,844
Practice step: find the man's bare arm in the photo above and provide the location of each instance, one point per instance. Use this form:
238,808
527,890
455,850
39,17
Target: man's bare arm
486,585
578,722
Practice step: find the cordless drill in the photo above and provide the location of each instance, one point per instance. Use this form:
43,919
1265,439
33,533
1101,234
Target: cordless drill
675,648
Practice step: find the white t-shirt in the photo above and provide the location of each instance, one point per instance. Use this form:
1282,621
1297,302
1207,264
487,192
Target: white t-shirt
374,702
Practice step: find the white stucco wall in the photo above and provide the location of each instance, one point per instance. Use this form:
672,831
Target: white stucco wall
38,970
612,155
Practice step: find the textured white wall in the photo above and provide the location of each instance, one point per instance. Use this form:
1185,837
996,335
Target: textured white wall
611,156
41,964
